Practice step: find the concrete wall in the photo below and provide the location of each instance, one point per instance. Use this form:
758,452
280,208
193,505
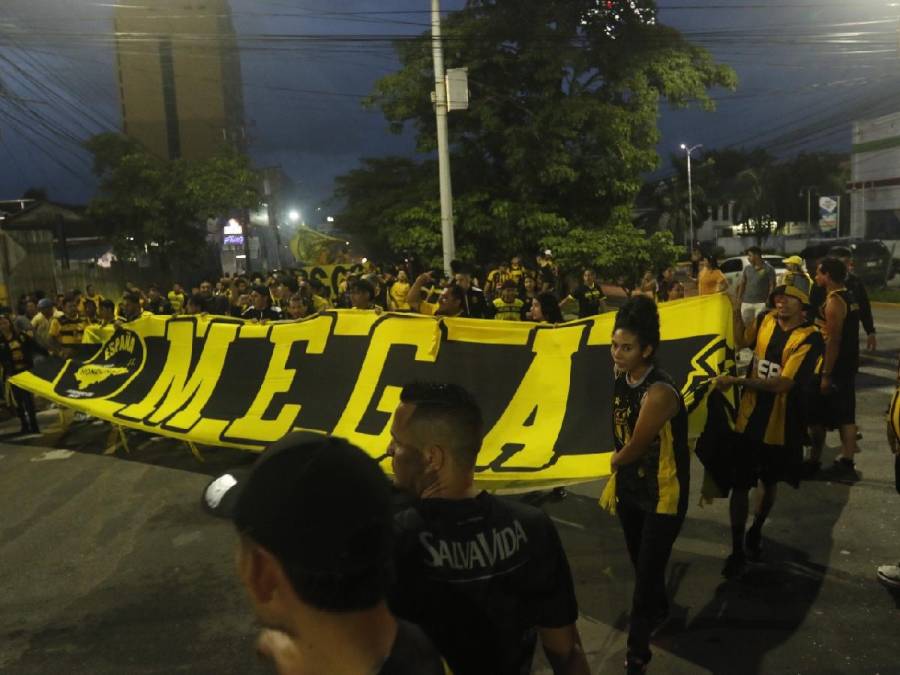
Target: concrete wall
772,243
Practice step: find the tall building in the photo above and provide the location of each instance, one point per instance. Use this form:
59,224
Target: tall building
179,76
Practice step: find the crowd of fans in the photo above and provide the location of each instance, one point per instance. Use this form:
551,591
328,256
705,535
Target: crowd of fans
418,570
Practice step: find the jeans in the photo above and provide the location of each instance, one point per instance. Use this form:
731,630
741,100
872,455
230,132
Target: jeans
649,538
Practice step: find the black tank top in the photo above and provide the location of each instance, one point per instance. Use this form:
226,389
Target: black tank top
848,357
659,481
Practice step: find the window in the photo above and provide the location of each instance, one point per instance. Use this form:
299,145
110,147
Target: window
732,265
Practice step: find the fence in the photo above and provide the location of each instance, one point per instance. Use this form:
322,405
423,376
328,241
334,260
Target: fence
28,264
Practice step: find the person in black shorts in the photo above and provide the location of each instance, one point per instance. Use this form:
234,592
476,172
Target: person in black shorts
768,443
833,405
651,465
483,575
314,519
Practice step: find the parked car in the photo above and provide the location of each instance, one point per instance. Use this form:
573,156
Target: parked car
732,268
872,261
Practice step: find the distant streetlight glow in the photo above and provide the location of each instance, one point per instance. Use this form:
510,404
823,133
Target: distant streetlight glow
294,215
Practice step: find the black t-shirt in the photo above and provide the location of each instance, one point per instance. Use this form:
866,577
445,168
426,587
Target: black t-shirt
476,306
480,576
412,654
267,314
589,300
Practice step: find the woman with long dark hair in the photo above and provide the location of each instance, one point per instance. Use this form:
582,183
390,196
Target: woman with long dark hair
545,308
651,465
16,356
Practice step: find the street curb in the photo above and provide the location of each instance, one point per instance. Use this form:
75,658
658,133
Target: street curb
877,303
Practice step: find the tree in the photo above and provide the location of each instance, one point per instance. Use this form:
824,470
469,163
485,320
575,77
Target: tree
144,200
563,117
620,253
36,193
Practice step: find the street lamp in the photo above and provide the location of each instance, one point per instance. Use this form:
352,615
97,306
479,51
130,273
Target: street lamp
689,150
294,215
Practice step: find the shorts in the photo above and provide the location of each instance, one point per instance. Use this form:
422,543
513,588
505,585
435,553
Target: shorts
755,461
838,407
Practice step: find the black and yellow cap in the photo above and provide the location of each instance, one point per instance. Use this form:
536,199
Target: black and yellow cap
797,286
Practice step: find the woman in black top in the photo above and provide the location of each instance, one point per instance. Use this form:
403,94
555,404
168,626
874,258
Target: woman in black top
651,464
16,351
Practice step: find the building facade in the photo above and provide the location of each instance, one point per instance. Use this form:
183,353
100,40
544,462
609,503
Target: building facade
179,76
875,179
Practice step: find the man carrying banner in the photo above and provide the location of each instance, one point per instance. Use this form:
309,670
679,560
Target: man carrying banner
651,465
66,331
362,295
768,445
482,575
450,303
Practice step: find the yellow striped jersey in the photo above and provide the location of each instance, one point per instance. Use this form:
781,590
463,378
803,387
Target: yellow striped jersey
779,419
67,331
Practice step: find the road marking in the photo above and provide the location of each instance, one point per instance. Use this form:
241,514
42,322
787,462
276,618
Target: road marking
51,455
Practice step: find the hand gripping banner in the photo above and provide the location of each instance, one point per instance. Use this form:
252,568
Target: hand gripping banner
544,390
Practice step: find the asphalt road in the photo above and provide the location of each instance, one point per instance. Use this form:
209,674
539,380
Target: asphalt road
109,565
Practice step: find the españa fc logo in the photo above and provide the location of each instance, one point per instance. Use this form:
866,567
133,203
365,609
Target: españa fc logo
107,371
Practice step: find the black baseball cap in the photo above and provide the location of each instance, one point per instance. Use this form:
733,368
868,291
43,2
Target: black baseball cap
316,502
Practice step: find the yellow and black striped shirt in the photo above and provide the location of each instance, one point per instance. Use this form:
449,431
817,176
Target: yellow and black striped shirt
779,419
67,331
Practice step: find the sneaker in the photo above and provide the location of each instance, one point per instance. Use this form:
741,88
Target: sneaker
752,544
734,565
844,466
889,575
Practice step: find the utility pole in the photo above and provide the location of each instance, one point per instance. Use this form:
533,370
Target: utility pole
688,151
808,189
440,109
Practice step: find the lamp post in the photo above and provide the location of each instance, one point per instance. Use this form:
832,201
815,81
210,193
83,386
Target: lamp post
440,110
688,151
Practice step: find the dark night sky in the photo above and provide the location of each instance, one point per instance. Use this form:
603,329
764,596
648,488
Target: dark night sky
806,68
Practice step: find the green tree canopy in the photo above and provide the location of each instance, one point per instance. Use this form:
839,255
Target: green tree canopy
565,96
144,200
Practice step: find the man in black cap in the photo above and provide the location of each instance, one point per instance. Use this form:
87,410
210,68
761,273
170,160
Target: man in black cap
484,576
768,445
315,527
